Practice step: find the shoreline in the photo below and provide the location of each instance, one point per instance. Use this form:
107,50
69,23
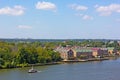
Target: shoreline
38,64
62,62
87,60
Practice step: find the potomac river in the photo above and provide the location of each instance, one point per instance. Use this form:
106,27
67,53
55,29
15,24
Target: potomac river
94,70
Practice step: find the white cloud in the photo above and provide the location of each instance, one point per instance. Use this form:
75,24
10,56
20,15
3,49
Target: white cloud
24,27
45,6
108,10
87,17
16,10
78,7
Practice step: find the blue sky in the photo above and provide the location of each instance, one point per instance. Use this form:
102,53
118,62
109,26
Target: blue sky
60,19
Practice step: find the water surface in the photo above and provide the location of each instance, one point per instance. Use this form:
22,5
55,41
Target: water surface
95,70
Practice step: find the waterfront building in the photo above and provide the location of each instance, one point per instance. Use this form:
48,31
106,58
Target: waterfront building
112,51
85,53
76,52
96,52
104,52
65,53
69,53
82,51
100,52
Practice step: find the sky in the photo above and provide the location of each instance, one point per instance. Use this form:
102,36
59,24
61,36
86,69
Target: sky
60,19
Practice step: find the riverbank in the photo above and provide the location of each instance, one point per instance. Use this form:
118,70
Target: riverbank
29,65
43,64
86,60
61,62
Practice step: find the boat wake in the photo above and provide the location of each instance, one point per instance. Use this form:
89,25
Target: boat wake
39,71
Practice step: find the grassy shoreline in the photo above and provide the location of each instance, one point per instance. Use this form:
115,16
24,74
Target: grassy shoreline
61,62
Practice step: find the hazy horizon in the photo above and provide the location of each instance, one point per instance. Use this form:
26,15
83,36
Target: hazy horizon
56,39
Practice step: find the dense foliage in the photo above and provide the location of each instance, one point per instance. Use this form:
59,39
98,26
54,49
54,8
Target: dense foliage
22,53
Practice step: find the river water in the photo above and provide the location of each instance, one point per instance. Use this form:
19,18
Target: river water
94,70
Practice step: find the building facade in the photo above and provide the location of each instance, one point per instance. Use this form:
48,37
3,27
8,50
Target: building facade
75,52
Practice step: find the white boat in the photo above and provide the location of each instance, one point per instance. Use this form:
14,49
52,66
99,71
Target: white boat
32,70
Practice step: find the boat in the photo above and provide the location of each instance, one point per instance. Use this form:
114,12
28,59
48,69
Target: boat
32,70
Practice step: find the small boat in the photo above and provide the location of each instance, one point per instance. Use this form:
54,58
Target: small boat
32,70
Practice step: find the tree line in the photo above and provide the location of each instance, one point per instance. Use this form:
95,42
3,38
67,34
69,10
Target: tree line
18,54
23,53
